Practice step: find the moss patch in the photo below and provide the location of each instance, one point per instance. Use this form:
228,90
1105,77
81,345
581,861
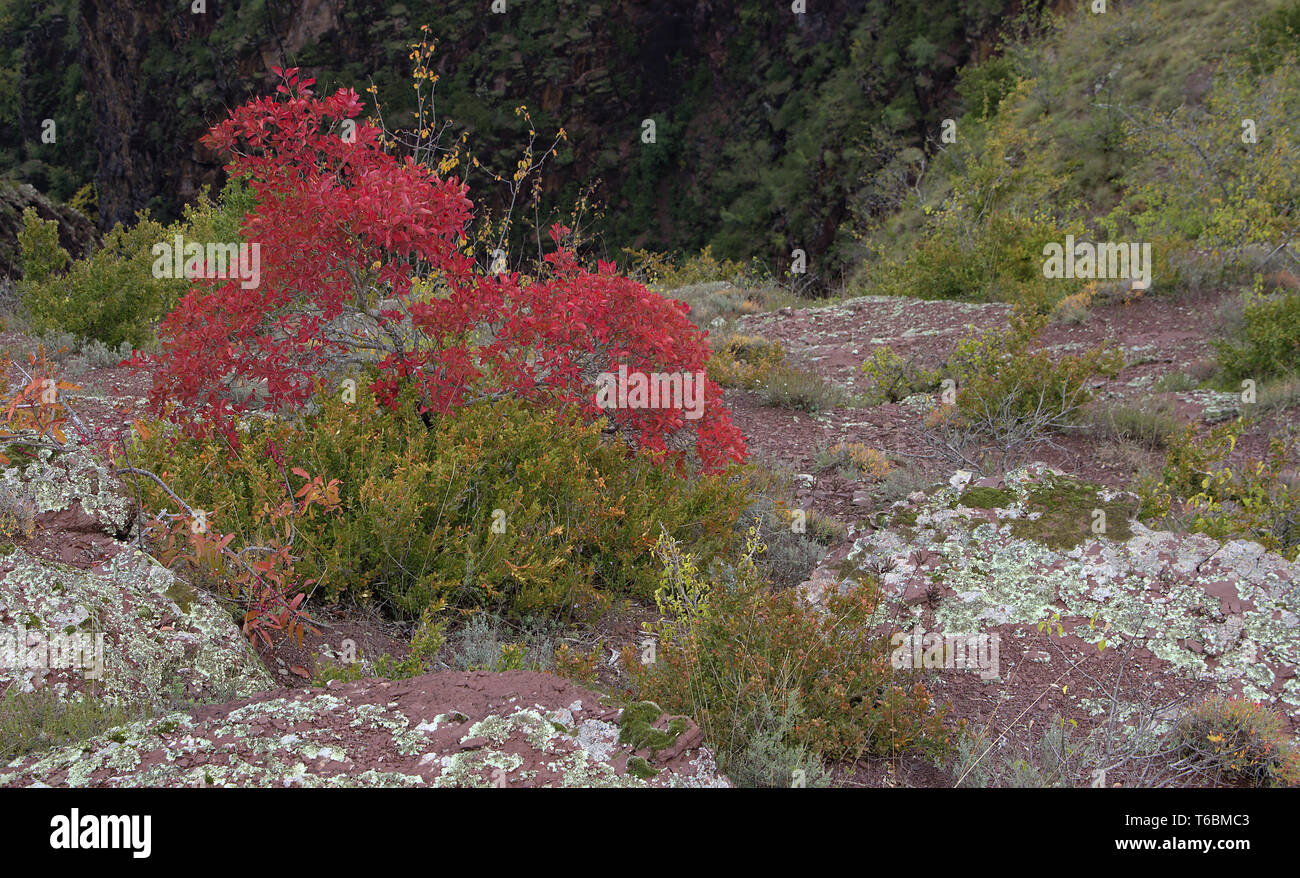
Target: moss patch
636,729
183,594
640,768
985,498
1061,514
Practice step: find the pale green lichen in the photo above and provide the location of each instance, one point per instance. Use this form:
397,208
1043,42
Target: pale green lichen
50,483
320,741
201,650
1138,584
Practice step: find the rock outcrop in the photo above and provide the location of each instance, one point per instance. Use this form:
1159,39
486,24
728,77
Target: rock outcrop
450,729
975,556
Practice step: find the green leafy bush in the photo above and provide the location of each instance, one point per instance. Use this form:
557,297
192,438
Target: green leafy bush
997,258
1198,488
38,242
1277,34
1011,395
112,296
893,377
729,648
497,506
1268,342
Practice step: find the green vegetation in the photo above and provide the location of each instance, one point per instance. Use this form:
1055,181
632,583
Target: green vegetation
1236,741
744,360
789,387
790,160
39,720
1201,489
1100,128
1060,513
497,506
1071,512
854,461
1007,398
731,651
893,377
986,498
1149,425
1268,344
112,296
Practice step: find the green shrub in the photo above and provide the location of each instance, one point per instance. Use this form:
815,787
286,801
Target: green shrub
729,648
112,296
789,387
893,377
1237,741
1013,396
703,267
1199,489
768,760
491,643
744,360
1004,204
1268,343
497,506
983,86
998,259
40,252
428,638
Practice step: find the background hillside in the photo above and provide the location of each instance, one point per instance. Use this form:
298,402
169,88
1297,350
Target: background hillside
770,126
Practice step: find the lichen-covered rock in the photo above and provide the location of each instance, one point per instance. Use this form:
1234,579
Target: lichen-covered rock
161,639
1036,545
452,729
54,481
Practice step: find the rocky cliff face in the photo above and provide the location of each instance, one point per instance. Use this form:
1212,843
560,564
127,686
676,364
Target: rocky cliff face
137,168
766,120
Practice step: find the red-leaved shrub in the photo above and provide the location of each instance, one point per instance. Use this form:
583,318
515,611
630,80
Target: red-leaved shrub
345,229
